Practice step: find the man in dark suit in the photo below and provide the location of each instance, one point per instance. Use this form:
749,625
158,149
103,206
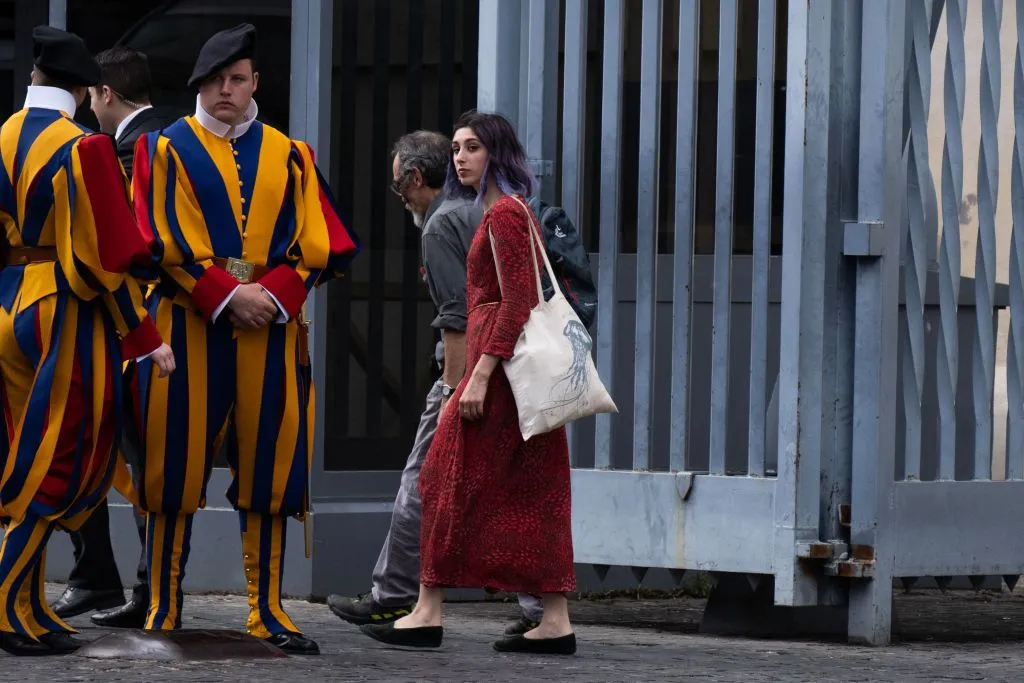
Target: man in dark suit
121,103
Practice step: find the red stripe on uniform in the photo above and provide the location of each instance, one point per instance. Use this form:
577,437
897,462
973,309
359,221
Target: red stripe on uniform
120,240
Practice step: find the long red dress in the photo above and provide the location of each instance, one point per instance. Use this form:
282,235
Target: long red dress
497,510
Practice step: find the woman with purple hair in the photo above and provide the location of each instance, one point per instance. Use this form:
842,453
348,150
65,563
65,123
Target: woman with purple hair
496,509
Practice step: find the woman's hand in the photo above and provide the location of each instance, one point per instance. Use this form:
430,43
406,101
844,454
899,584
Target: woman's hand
471,405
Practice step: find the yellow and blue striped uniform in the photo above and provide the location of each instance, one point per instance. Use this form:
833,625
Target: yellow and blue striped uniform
65,325
258,198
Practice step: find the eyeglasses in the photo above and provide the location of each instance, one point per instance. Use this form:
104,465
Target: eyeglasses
398,184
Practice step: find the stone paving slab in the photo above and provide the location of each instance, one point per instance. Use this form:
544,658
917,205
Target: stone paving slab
953,637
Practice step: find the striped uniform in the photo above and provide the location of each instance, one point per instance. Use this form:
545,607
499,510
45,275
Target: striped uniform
260,198
64,327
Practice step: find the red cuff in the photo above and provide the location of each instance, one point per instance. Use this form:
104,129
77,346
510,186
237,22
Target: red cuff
212,287
142,340
287,287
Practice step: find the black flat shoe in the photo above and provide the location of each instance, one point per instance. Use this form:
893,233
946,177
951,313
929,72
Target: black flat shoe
60,643
422,636
130,615
294,643
75,601
23,646
566,645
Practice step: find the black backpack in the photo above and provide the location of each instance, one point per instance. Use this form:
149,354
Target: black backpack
569,260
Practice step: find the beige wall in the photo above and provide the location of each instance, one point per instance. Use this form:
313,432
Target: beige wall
973,42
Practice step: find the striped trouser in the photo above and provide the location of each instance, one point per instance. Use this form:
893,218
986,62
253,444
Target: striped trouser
263,545
23,606
251,392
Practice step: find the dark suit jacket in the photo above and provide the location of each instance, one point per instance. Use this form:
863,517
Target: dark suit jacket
147,121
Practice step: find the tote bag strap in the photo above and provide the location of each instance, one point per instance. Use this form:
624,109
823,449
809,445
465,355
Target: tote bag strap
533,257
535,230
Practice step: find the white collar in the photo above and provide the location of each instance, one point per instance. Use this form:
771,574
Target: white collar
221,129
128,119
46,97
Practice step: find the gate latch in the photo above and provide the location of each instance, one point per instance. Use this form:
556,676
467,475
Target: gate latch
859,563
863,239
838,559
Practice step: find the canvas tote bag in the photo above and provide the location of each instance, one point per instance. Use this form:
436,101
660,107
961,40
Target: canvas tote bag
551,372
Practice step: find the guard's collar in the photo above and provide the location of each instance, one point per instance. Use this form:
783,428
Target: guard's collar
221,129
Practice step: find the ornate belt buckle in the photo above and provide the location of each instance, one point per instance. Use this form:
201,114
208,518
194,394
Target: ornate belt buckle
240,270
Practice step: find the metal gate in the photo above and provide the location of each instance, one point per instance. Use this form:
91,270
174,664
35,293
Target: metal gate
820,421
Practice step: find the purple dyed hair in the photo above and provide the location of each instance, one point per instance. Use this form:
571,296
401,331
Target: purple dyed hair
506,158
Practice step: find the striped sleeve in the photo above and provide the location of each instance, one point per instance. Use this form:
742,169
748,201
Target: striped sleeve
323,244
98,241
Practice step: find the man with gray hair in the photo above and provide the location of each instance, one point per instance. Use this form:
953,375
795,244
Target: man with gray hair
419,168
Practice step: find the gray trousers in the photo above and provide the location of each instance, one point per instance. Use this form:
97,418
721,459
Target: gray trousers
396,578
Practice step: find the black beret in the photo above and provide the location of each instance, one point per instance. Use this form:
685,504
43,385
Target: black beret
223,49
63,56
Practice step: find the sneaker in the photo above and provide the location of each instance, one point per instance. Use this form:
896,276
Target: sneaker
365,610
521,626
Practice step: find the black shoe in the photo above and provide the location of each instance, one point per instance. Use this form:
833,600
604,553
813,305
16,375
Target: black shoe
23,646
423,636
75,601
365,610
566,645
61,643
130,615
521,626
294,643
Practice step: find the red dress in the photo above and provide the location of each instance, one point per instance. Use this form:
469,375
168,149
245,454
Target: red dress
497,510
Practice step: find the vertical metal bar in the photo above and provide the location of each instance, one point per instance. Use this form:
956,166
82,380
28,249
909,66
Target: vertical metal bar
682,257
445,66
948,357
341,343
574,98
647,233
59,14
410,402
498,58
801,342
880,200
608,256
470,45
985,254
378,238
724,169
840,285
763,144
310,120
922,226
537,71
1015,354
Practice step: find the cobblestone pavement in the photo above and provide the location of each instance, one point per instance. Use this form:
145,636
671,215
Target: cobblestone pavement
957,636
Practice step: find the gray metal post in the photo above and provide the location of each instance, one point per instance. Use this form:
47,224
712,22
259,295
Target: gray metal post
881,188
537,106
59,14
498,73
797,497
310,120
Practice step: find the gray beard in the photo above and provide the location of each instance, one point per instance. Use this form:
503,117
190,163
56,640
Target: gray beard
418,219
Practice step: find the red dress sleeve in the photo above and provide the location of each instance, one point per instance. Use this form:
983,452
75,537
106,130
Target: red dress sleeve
508,225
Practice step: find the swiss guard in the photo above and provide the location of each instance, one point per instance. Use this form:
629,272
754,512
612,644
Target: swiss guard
247,227
69,314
